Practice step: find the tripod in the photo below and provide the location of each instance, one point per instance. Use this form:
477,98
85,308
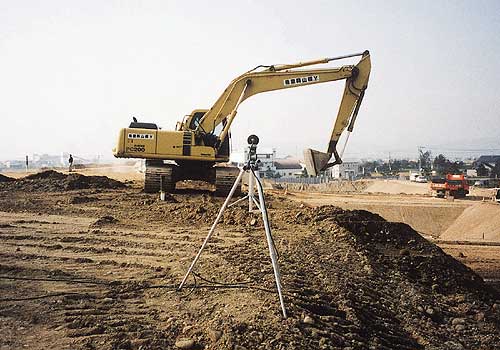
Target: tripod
250,168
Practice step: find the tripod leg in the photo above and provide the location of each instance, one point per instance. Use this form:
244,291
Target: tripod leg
212,229
250,191
272,251
237,201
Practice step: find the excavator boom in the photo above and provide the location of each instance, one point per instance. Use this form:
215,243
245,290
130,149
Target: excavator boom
284,77
352,97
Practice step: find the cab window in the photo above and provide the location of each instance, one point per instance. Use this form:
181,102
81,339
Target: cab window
195,122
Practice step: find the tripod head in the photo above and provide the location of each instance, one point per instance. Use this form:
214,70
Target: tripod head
252,161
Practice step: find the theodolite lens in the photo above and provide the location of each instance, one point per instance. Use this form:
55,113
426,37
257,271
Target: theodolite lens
253,140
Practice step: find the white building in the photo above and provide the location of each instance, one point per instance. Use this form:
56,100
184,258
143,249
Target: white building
346,171
265,156
269,165
471,172
288,167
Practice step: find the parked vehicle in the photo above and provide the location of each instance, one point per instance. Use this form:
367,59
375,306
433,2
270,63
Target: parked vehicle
450,186
413,176
421,179
496,195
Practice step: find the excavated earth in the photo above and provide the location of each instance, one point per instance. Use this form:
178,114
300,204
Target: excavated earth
98,268
4,178
53,181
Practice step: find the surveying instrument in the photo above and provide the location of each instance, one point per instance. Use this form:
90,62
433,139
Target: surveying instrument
250,168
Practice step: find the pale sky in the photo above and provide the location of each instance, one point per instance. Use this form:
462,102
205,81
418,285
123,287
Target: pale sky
72,73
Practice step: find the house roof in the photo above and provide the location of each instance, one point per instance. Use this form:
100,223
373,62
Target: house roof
488,159
287,163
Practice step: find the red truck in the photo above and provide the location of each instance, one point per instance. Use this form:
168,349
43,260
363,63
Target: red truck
452,185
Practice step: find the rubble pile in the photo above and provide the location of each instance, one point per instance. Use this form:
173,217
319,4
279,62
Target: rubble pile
104,220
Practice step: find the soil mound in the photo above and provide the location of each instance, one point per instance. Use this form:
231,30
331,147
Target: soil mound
104,220
480,222
53,181
82,199
78,181
354,280
386,286
47,174
4,178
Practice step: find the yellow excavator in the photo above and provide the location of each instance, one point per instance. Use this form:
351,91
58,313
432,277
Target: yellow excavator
200,143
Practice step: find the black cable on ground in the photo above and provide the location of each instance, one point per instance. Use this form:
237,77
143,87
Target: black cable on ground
53,280
172,287
219,283
43,296
193,287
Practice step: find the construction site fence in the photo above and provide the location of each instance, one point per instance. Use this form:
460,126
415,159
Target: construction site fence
303,180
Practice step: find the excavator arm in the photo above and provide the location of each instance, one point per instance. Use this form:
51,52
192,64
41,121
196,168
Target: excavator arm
284,77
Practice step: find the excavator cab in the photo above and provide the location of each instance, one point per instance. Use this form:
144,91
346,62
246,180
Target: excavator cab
195,120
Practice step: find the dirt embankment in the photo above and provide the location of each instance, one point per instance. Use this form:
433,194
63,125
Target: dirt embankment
480,222
343,187
429,216
397,187
351,279
428,220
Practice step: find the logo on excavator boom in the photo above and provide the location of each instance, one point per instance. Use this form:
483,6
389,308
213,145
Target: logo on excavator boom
301,80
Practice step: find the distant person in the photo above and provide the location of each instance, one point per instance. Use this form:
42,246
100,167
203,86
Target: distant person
70,161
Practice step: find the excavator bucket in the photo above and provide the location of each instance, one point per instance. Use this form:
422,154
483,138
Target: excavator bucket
316,161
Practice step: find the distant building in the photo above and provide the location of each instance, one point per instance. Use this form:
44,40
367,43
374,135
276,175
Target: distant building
485,165
288,167
15,164
471,173
488,160
266,159
346,170
46,160
269,165
265,156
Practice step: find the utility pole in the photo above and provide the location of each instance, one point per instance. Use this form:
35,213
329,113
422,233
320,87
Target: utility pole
419,150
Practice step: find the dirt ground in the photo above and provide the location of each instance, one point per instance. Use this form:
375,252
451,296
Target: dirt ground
97,267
